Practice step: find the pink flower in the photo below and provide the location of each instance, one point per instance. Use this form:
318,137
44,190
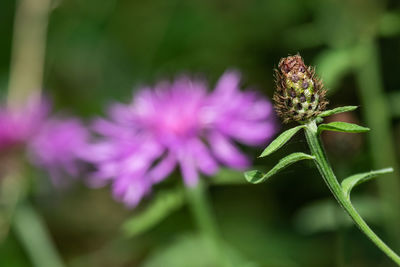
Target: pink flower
54,144
18,125
178,124
59,146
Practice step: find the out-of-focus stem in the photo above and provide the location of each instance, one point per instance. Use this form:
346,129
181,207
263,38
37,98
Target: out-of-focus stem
377,116
201,209
12,189
28,50
26,80
34,237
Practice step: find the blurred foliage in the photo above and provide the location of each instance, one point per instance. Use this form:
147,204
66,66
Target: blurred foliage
326,215
99,51
160,207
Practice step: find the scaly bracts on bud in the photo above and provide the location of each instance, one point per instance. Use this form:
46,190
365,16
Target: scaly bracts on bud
299,95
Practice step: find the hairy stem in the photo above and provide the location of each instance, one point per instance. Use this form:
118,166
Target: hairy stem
327,173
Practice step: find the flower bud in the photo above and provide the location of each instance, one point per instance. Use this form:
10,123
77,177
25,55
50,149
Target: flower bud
299,94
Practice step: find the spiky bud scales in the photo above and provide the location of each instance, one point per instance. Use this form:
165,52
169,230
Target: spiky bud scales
299,94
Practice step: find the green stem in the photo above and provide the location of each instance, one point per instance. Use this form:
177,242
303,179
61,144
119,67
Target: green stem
33,235
201,210
28,50
330,179
26,79
12,189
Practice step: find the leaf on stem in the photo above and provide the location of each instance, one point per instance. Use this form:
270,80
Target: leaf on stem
227,176
158,209
257,177
34,237
280,141
339,126
327,113
350,182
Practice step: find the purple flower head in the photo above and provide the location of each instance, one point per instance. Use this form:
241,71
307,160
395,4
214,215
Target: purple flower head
178,124
54,144
18,125
59,146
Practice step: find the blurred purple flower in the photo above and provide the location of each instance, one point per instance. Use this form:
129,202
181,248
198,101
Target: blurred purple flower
54,144
59,146
178,124
18,125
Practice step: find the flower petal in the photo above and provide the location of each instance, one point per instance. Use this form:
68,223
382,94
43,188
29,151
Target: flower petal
130,189
163,168
226,152
204,160
228,83
188,168
251,133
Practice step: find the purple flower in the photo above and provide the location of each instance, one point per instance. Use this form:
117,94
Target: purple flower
178,124
59,146
18,125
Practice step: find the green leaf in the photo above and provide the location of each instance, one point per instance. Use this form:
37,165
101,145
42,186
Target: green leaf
158,209
327,113
350,182
318,120
339,126
280,141
34,237
257,177
227,176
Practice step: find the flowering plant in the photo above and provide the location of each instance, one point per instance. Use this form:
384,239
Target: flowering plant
178,124
300,97
52,143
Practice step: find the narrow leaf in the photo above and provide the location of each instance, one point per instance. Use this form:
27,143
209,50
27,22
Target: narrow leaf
339,126
350,182
227,176
280,140
158,209
257,177
327,113
35,238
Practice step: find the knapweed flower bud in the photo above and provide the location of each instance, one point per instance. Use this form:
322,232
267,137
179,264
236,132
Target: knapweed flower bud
299,95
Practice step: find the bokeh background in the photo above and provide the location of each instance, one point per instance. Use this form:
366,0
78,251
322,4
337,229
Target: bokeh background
100,51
